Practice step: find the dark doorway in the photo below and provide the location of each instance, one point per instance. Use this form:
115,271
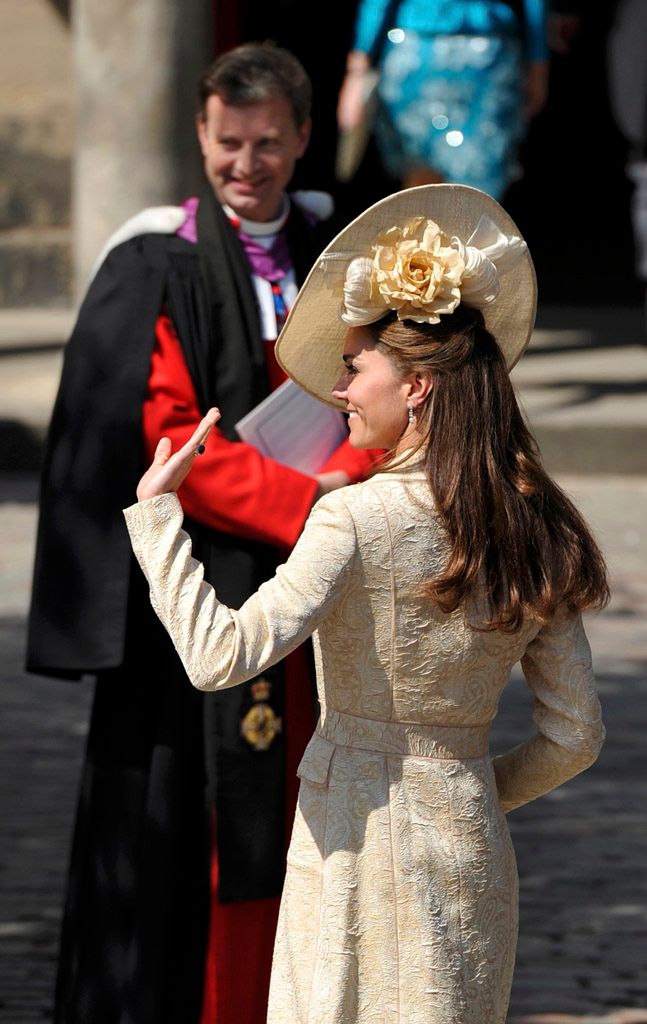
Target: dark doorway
572,203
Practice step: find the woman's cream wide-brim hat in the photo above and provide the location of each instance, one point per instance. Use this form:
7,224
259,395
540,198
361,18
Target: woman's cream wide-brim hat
310,346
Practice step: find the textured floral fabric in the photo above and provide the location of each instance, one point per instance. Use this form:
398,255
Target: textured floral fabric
400,900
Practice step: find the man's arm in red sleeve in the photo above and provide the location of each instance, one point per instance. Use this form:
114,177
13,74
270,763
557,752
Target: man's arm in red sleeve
231,487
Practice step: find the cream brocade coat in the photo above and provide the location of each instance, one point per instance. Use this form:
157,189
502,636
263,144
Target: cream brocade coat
400,900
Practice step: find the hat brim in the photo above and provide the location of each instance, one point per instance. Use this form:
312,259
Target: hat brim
310,346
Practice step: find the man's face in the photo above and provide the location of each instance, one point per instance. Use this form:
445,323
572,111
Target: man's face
250,152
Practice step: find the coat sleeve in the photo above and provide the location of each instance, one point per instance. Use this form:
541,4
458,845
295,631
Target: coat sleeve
219,646
536,32
557,667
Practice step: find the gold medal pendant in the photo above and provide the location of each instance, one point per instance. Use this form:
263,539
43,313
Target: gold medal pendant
260,725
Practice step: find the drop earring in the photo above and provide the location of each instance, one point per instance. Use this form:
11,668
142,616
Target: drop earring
410,413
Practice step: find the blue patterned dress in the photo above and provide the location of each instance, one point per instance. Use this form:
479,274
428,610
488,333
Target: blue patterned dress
451,85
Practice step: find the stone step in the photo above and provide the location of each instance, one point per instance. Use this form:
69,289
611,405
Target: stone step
582,385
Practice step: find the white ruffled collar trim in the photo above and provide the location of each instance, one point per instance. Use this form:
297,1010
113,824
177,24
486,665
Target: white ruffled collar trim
258,228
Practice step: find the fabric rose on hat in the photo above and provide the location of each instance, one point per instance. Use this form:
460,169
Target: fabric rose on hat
417,272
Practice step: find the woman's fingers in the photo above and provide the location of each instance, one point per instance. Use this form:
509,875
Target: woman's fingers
195,444
163,451
167,471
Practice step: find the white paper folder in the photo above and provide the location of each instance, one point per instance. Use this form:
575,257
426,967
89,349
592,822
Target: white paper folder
294,428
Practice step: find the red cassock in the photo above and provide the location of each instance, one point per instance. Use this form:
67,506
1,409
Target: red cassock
235,489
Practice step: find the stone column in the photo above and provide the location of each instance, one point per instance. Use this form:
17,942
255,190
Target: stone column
136,68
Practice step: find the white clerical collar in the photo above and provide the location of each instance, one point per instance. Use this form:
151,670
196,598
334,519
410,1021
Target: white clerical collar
254,228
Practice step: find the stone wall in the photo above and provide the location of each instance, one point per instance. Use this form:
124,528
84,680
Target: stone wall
97,102
36,143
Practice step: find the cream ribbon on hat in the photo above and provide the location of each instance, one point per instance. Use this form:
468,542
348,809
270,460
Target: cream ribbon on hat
486,255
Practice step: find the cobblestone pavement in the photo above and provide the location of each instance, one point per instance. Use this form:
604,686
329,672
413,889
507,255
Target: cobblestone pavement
581,851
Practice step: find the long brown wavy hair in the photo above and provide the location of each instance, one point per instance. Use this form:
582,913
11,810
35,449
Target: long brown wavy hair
509,525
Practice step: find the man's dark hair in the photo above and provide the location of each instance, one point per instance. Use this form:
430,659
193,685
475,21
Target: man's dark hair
255,72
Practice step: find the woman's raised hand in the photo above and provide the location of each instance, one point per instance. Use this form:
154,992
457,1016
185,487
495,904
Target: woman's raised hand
167,471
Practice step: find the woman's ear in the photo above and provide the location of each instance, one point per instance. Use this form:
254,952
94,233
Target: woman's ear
420,386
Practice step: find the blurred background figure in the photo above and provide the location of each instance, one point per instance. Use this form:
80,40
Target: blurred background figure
628,94
458,83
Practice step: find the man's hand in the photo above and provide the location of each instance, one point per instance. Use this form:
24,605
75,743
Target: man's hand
331,481
167,471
